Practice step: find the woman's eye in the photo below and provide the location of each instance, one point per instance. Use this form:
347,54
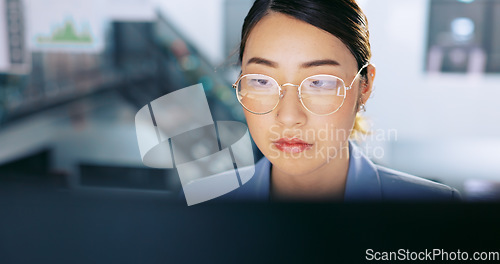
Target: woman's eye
323,84
317,83
260,83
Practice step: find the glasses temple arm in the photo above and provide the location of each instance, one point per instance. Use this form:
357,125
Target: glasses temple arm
237,80
355,77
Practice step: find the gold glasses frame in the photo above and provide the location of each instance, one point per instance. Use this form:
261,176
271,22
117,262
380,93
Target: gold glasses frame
281,92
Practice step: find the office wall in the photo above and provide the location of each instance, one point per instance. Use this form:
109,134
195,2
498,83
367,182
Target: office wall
201,22
447,125
419,105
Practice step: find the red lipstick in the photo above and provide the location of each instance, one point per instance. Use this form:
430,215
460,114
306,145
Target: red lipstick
292,145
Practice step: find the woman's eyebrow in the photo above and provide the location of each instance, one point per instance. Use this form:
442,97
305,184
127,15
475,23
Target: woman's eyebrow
320,63
309,64
258,60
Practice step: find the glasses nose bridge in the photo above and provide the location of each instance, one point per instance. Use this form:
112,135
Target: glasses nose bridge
289,84
282,91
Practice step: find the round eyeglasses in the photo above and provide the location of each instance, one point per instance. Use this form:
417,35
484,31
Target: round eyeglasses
319,94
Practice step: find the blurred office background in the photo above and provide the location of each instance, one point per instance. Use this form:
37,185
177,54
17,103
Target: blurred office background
74,73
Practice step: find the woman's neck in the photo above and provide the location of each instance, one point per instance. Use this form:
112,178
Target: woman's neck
326,183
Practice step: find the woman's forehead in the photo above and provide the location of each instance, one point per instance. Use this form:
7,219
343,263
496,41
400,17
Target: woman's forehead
285,40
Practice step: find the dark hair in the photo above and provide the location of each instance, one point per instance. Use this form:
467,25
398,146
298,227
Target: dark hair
341,18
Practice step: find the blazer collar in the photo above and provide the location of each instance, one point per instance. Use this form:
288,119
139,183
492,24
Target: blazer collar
363,181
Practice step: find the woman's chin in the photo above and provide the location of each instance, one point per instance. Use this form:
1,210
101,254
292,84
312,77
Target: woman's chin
294,166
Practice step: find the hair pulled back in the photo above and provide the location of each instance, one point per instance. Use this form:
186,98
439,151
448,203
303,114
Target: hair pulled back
342,18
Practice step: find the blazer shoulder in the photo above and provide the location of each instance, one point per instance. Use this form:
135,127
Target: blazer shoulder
401,186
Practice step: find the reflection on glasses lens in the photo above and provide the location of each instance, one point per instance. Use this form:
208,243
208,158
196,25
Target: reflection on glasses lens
258,93
322,94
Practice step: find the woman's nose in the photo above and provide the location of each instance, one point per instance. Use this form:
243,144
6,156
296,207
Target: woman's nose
290,112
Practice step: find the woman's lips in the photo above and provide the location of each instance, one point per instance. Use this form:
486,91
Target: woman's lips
292,145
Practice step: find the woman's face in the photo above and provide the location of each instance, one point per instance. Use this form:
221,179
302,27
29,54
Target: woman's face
296,141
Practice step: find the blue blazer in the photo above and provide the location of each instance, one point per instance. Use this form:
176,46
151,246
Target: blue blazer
366,181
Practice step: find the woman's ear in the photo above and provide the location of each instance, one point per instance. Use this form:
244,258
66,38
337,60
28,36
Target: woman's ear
367,86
